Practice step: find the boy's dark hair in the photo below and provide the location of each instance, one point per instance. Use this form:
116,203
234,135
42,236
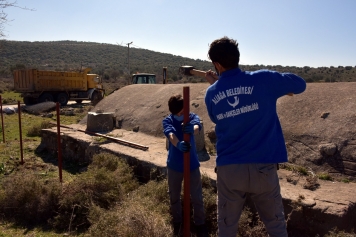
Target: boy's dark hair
226,52
175,103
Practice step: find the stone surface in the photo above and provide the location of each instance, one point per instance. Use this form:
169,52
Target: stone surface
40,107
100,122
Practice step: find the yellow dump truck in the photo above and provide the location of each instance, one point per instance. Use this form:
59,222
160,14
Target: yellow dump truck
38,86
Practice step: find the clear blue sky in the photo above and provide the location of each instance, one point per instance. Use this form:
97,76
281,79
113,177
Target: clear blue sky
299,33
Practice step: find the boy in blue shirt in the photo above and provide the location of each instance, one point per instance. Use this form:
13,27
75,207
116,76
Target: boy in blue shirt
173,130
250,141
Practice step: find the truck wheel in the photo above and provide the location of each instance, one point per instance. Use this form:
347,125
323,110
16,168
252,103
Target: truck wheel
96,97
28,101
62,98
45,97
79,101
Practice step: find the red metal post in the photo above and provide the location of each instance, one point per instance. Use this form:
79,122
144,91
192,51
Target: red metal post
2,122
186,138
20,129
59,144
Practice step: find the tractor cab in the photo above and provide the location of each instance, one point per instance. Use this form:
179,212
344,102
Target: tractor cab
143,78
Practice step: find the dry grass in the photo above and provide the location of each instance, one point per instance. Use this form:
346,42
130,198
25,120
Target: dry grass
35,130
250,225
26,199
107,200
337,233
145,212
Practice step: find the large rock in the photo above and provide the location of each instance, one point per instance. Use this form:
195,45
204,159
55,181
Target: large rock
319,126
40,108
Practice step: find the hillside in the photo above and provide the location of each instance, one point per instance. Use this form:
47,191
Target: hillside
111,61
107,60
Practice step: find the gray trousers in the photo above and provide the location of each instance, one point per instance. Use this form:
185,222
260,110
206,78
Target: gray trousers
174,188
261,182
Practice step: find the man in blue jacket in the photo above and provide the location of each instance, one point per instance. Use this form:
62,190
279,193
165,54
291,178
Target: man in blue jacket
250,141
173,130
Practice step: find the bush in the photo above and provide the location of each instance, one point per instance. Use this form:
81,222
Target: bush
78,197
35,131
113,163
105,184
27,199
325,176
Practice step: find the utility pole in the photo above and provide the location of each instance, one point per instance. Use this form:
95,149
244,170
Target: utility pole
128,57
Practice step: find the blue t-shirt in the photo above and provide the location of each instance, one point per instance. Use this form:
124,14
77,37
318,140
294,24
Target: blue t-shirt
175,160
243,107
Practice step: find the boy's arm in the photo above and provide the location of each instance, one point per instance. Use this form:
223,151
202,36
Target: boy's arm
169,130
195,120
173,139
196,129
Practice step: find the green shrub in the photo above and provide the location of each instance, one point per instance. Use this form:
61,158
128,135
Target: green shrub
325,176
294,168
123,172
105,160
345,180
302,170
35,131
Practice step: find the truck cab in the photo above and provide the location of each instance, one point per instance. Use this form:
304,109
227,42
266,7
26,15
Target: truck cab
94,81
143,78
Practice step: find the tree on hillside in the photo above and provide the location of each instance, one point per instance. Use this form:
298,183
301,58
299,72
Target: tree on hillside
3,16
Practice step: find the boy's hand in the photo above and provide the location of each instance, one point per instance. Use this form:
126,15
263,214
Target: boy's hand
183,146
188,128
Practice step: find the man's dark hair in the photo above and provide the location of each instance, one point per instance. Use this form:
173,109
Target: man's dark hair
175,104
226,52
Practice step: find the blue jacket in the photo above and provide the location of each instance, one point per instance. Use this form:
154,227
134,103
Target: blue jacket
175,160
243,107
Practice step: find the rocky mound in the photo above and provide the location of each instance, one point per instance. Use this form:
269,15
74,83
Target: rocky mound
319,126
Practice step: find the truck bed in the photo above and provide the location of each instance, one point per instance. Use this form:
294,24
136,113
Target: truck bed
33,80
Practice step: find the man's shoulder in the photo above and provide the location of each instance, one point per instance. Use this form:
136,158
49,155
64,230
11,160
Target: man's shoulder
259,72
